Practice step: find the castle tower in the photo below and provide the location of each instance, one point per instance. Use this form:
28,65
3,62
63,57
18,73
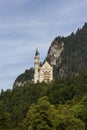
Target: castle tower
36,67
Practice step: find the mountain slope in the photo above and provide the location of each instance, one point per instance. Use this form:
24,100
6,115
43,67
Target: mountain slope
68,54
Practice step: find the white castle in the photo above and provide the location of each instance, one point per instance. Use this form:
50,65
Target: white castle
42,73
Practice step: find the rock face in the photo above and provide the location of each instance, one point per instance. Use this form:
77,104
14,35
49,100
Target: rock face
55,51
54,56
18,83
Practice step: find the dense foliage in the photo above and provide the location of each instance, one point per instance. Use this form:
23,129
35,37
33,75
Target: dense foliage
59,105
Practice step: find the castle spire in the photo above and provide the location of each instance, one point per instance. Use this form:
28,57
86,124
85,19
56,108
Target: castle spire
37,52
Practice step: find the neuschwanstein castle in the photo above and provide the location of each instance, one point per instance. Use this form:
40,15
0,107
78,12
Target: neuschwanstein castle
42,73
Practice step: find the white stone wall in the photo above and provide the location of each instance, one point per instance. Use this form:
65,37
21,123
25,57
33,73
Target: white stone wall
44,73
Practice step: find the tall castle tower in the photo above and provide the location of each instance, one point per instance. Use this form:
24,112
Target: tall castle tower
36,67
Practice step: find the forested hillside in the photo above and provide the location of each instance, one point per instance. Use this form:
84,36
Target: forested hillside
59,105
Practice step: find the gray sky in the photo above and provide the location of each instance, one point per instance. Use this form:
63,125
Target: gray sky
29,24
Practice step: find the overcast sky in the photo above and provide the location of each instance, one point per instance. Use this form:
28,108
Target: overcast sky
29,24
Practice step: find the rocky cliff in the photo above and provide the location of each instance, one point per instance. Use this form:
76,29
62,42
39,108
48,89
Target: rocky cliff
55,51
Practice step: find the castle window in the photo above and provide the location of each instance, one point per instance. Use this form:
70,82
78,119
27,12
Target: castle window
46,76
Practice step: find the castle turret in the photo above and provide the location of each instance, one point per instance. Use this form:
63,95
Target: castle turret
36,67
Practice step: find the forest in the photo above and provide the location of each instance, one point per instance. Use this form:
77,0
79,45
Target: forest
58,105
